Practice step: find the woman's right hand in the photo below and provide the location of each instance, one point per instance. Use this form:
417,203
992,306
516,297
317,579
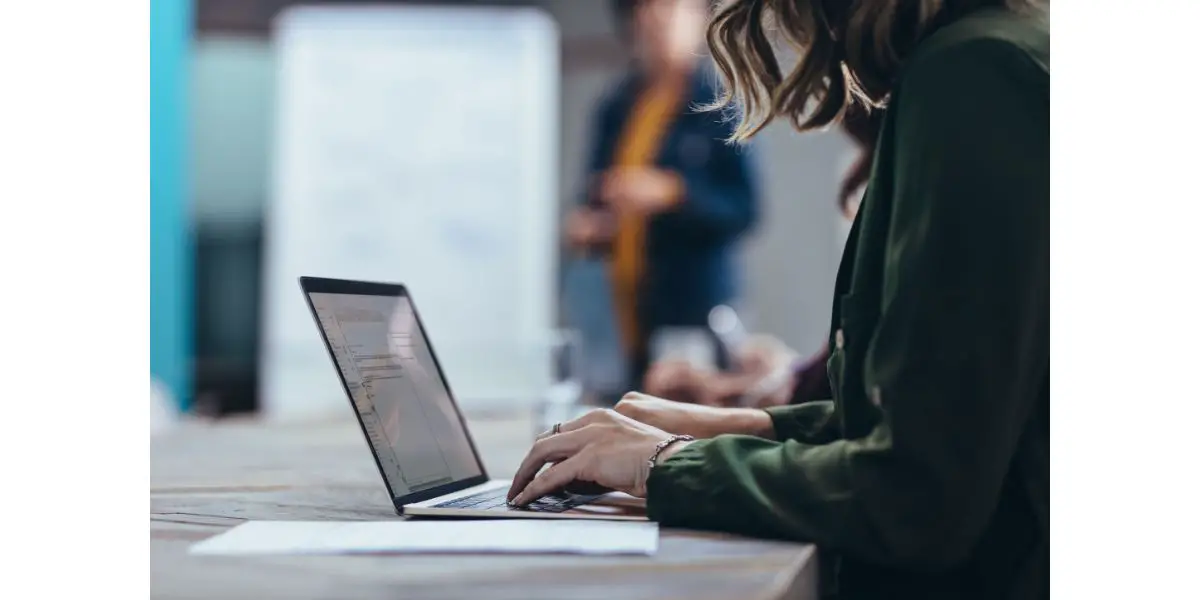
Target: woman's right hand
694,419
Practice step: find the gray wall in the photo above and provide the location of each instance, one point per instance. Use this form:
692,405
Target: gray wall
790,262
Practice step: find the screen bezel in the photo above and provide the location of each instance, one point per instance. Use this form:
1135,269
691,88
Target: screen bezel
321,285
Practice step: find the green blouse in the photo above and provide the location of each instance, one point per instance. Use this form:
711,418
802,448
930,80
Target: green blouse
927,475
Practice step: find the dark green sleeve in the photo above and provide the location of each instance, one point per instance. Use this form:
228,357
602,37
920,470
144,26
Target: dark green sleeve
958,357
808,422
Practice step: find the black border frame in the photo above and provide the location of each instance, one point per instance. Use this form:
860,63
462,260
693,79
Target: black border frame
322,285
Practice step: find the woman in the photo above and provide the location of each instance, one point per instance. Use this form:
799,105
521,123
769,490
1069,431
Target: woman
668,198
927,476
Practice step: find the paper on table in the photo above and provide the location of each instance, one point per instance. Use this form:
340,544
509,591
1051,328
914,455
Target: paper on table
517,536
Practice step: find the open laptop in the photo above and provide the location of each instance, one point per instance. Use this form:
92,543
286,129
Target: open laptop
408,414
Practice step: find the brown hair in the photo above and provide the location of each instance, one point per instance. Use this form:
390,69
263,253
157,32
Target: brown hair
850,52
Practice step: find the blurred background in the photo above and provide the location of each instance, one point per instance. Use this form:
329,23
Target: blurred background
217,97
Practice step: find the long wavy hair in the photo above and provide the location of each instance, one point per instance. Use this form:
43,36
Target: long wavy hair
849,53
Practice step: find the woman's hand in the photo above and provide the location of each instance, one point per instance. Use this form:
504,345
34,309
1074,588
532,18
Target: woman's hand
693,419
602,448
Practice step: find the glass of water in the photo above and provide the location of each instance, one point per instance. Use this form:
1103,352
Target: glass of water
563,400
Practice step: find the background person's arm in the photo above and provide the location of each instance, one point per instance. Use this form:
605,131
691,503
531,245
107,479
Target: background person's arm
589,224
721,199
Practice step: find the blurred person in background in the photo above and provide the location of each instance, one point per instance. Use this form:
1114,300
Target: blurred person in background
760,374
667,198
927,475
767,372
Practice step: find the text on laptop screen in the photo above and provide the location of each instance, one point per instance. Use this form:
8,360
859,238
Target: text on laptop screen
404,405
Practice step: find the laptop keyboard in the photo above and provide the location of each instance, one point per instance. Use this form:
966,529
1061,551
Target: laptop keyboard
497,500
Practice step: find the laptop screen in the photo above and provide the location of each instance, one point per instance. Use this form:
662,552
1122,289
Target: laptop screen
405,408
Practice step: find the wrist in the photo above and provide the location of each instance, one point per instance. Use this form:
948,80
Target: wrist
753,421
662,451
672,450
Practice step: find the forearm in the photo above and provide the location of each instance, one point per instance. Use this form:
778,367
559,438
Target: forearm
761,488
737,421
850,496
698,421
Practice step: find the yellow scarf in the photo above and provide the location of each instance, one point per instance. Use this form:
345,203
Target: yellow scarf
639,145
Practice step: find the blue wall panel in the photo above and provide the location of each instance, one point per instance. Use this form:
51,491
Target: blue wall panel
170,227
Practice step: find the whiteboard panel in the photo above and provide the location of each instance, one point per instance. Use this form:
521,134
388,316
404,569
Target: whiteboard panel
415,145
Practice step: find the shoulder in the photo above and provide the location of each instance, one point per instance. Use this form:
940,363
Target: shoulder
987,44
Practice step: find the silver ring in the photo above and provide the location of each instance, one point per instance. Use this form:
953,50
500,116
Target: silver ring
556,429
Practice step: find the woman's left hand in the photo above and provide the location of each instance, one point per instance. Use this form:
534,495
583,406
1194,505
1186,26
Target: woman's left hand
603,448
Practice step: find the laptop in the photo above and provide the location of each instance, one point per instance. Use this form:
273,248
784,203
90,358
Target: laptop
412,424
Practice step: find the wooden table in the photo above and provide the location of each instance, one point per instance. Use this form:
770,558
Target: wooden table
206,478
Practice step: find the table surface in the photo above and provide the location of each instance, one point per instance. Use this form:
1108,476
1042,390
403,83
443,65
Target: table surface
206,478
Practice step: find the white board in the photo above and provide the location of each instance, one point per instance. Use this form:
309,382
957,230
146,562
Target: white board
415,145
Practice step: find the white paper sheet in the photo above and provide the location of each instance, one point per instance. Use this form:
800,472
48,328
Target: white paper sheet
517,536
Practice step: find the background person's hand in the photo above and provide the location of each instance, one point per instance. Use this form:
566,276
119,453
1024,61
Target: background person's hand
764,375
586,227
679,381
761,377
602,448
639,190
693,419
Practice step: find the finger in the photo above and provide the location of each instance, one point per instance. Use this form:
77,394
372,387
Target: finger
636,399
634,396
632,405
566,426
591,417
586,488
551,480
551,449
546,434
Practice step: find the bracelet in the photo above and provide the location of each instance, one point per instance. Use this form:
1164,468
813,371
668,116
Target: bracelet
663,446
